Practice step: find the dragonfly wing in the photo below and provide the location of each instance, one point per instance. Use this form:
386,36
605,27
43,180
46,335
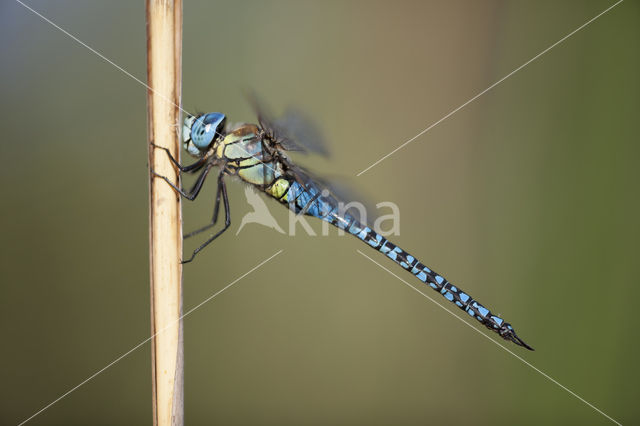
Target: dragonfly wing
294,131
359,205
302,131
335,192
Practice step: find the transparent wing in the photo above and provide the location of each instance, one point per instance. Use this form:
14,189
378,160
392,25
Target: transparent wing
336,192
301,129
293,131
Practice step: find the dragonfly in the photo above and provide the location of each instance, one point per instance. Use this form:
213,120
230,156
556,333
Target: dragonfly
258,155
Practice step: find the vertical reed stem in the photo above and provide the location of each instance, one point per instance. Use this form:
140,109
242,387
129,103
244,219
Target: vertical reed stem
164,73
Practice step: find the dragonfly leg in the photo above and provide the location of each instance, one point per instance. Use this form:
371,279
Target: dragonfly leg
191,168
195,190
227,222
216,208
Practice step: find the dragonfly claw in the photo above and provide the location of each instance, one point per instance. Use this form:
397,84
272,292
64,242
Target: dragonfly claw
158,146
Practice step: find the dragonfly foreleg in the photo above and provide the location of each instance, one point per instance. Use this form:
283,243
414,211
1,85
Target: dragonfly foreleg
195,190
191,168
227,222
216,208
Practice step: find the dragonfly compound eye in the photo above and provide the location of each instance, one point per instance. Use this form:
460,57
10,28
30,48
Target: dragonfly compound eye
205,129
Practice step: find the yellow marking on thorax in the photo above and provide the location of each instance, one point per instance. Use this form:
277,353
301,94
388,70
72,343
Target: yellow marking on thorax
219,150
236,135
254,171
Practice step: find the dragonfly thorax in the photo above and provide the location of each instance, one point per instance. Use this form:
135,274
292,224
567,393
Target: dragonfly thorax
199,132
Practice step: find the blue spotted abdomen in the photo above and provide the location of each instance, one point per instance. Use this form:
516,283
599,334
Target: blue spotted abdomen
429,277
310,201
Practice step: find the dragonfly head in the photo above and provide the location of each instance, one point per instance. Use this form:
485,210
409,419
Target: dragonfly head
199,132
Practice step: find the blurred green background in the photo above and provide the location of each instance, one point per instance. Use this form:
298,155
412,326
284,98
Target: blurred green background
527,198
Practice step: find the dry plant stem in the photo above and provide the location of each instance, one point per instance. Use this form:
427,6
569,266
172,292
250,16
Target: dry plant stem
164,55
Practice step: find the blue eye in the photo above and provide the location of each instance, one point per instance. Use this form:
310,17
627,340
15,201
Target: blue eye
205,128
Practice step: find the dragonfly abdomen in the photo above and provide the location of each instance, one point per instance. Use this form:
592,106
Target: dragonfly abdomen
432,279
310,200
